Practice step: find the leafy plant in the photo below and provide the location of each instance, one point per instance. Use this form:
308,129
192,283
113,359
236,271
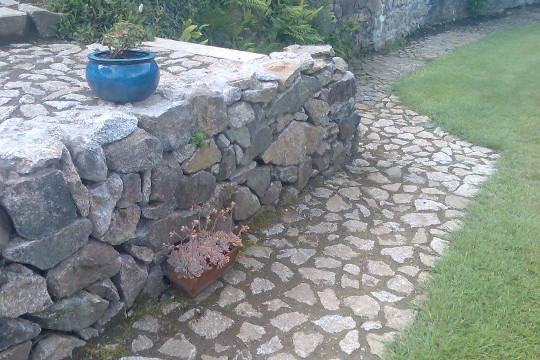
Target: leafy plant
343,38
206,244
191,32
198,139
124,36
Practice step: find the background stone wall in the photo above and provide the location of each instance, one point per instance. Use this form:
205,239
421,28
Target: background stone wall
88,197
386,20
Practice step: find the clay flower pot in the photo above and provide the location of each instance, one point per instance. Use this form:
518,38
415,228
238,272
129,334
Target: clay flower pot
192,287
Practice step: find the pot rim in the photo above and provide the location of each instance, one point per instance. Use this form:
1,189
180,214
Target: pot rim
143,56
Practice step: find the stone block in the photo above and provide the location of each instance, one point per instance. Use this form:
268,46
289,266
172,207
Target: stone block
317,111
154,286
343,89
56,347
156,211
79,192
288,174
286,72
155,233
138,152
164,179
72,314
46,252
263,92
106,289
93,262
16,331
172,123
6,228
23,292
132,190
348,126
39,204
292,146
123,225
240,114
291,100
259,180
195,189
272,193
247,204
228,164
203,158
12,23
89,159
103,199
209,110
304,174
46,22
239,136
17,352
130,280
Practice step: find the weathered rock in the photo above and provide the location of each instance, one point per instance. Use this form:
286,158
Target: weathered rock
46,252
203,158
287,174
291,100
304,174
105,288
347,126
93,262
45,21
195,189
240,114
184,152
247,204
261,138
72,314
239,136
264,92
164,179
130,280
21,280
17,352
56,347
288,194
89,159
172,123
209,110
222,195
123,225
272,193
138,152
79,192
110,126
159,210
13,23
292,146
16,331
103,199
155,233
259,180
141,253
113,310
228,164
242,174
6,227
154,286
285,71
318,111
132,190
343,89
39,204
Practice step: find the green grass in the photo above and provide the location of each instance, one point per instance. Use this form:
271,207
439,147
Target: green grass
484,296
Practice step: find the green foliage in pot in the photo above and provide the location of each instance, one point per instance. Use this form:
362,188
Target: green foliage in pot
124,36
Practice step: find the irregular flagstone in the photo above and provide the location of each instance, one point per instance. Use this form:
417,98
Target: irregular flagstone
179,347
286,322
335,323
270,347
363,306
305,343
250,332
329,299
350,342
211,324
302,293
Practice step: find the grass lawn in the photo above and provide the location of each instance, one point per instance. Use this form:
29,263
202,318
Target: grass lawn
484,296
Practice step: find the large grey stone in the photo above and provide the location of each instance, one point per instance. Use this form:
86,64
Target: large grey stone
272,193
240,114
164,179
72,314
89,159
318,111
158,210
203,158
239,136
6,227
93,262
16,331
263,92
132,190
17,352
12,23
209,110
259,180
222,195
56,347
138,152
285,71
123,225
45,21
291,100
46,252
227,167
195,189
343,89
130,280
103,199
79,192
154,285
247,204
348,126
292,146
113,310
39,204
155,233
304,174
106,289
172,123
21,280
261,138
111,126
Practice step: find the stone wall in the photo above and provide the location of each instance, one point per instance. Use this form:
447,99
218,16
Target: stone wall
89,195
386,20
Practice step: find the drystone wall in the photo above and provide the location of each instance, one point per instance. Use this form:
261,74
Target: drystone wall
89,194
386,20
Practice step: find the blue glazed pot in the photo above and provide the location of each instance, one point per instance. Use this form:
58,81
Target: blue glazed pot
132,78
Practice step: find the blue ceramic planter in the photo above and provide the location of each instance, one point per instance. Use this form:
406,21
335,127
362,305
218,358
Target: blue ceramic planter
132,78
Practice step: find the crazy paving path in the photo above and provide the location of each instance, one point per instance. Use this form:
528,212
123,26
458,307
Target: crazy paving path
334,276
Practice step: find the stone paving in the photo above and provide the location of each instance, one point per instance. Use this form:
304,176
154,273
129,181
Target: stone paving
334,276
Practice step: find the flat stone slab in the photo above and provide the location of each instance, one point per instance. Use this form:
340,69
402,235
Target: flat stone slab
12,22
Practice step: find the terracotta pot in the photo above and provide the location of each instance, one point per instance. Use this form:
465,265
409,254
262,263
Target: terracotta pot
192,287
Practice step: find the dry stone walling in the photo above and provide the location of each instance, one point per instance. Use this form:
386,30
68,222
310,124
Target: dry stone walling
89,191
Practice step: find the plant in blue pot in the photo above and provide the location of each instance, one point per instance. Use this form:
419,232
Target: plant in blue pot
121,74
